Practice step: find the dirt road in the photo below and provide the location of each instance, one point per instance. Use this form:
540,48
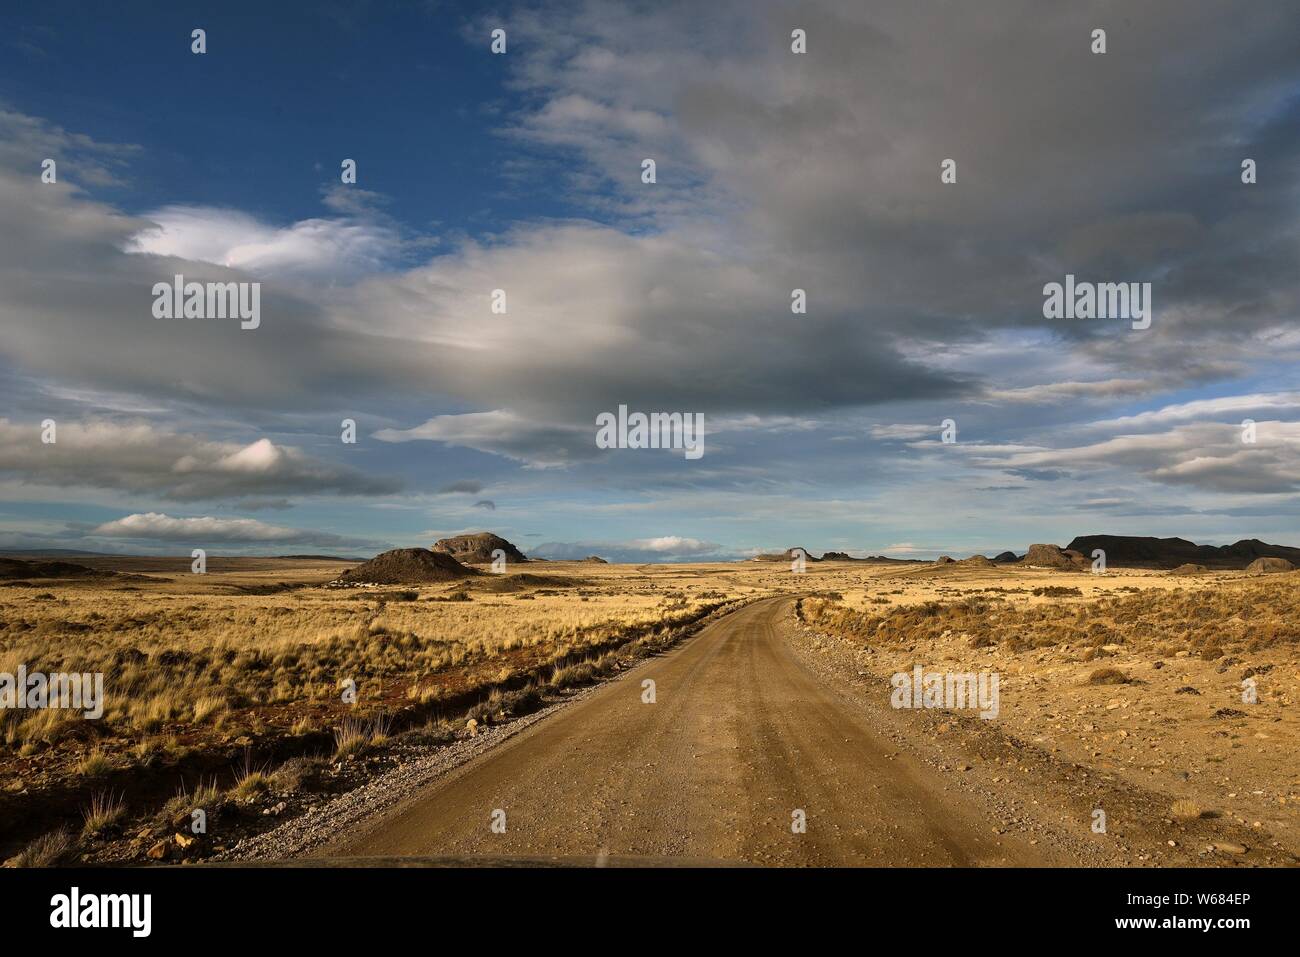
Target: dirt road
739,737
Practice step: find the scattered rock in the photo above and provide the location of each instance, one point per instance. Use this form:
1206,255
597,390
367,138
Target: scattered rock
1108,676
1227,847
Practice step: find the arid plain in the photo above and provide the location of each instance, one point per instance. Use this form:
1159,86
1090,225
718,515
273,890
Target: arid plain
261,695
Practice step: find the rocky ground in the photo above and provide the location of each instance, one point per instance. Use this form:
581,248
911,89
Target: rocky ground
1185,771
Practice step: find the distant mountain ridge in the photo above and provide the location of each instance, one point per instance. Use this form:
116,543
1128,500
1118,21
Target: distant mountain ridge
1148,552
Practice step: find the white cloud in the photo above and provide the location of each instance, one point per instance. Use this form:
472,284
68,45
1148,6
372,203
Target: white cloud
1205,455
674,545
905,431
663,548
1236,406
502,432
198,531
139,457
347,247
1051,392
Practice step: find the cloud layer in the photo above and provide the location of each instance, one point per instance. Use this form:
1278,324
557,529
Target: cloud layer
777,172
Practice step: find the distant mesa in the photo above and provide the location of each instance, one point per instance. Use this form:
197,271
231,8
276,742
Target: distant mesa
1189,569
787,556
1139,552
405,566
1005,557
477,549
980,561
837,557
1053,556
595,560
946,560
1269,566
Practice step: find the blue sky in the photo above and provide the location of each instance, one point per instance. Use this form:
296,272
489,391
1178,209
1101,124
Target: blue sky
522,171
262,120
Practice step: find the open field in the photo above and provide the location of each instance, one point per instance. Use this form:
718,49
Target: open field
227,691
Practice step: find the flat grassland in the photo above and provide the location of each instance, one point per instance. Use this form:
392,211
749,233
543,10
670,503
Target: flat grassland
252,688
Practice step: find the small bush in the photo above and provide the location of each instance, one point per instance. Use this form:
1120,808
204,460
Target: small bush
48,850
95,765
102,813
355,736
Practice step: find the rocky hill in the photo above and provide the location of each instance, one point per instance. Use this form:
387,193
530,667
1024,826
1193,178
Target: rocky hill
477,549
406,566
1052,556
1269,566
787,555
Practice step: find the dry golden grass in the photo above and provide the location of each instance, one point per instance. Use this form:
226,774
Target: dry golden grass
1235,614
103,812
48,850
261,649
355,736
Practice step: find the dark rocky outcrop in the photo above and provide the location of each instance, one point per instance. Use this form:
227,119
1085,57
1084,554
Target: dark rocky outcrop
1052,556
786,556
477,549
